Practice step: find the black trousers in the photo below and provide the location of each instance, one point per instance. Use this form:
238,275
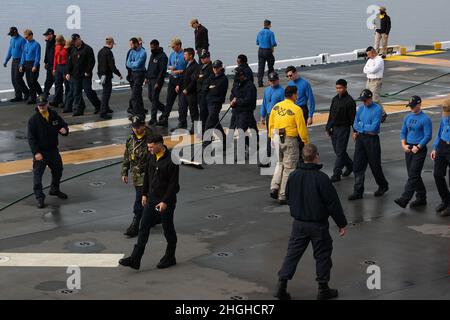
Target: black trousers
245,120
153,96
367,152
233,119
61,84
72,86
90,93
414,166
106,95
302,234
32,80
49,80
149,217
76,96
188,102
269,140
171,96
137,207
203,109
53,160
212,121
137,102
17,79
265,56
339,139
441,163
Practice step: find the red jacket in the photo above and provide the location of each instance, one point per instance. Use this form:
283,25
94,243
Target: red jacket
60,56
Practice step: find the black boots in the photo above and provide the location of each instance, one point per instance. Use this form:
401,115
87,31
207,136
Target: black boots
168,259
41,203
281,292
325,293
130,262
58,194
133,229
381,191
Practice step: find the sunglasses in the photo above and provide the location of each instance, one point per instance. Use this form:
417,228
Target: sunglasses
289,75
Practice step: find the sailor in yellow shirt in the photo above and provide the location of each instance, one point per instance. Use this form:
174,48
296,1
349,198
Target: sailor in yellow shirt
287,121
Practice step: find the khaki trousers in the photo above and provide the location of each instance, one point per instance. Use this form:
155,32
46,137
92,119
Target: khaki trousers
287,162
383,39
374,85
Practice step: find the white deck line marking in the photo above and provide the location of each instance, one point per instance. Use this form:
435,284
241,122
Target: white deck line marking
124,121
86,260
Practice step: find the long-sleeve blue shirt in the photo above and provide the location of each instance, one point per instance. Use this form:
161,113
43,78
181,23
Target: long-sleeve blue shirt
271,97
16,45
305,94
368,119
31,52
416,129
136,60
443,133
176,59
266,39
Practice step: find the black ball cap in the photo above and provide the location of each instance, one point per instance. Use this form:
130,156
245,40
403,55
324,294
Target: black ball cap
75,36
205,54
414,101
137,121
42,100
49,31
366,94
369,49
217,64
273,76
12,31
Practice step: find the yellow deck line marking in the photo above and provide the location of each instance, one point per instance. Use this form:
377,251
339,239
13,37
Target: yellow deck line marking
421,60
425,52
115,151
82,260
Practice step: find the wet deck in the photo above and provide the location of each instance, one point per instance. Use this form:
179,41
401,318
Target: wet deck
232,236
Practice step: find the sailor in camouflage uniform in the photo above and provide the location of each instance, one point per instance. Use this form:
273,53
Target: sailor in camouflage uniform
135,160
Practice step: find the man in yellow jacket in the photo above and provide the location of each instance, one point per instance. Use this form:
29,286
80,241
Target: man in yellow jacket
287,123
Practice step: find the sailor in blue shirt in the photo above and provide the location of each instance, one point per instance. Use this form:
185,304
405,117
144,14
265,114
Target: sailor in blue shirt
367,146
136,63
305,94
266,42
16,45
176,67
272,95
29,63
441,157
415,134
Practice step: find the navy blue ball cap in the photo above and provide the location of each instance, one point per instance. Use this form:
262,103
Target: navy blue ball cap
414,101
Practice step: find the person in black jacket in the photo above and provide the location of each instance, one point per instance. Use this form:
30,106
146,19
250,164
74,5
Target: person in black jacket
43,129
79,68
243,101
204,73
106,68
382,33
156,72
242,61
50,43
312,200
217,87
201,37
188,88
159,199
340,121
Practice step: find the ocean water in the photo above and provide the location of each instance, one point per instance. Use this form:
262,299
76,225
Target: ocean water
302,28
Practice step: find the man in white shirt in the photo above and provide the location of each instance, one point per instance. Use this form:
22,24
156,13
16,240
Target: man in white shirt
374,70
